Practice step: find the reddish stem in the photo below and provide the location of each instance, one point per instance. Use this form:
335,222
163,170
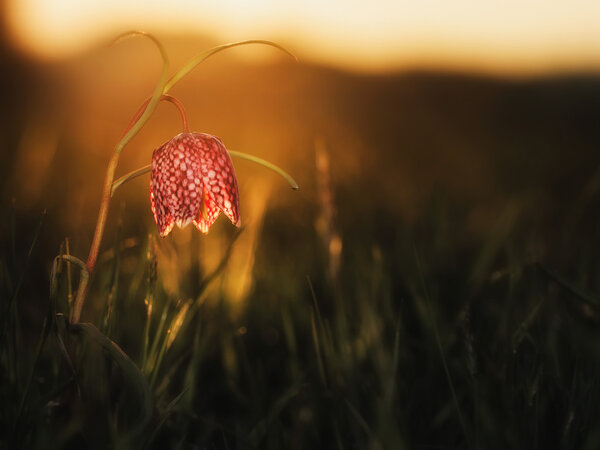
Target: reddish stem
167,98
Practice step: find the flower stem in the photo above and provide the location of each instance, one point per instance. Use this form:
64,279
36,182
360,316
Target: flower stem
158,91
81,292
103,213
110,174
164,97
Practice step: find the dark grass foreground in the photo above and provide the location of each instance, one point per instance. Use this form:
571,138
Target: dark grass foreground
418,341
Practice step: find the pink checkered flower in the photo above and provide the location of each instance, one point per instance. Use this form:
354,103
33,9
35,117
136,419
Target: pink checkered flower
192,180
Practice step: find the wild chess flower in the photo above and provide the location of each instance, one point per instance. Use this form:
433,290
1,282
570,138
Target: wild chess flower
192,180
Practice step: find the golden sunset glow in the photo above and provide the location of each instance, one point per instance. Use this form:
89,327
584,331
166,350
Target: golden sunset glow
499,36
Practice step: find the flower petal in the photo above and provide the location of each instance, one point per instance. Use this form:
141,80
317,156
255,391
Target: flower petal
218,175
212,212
162,217
177,180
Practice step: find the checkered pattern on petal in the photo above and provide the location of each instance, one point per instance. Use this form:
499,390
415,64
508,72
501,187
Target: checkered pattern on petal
162,216
218,175
187,170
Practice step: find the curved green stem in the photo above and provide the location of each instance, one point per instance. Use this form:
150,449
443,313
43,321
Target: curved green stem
129,176
158,91
201,57
268,165
110,173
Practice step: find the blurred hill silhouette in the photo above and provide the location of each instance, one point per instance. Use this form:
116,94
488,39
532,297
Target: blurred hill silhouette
394,137
395,140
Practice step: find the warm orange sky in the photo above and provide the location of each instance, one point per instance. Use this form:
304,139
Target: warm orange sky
510,36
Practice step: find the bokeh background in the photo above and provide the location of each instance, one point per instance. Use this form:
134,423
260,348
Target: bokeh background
432,283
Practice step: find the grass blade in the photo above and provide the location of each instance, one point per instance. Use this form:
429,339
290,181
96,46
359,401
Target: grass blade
279,171
128,367
586,297
207,54
441,349
166,414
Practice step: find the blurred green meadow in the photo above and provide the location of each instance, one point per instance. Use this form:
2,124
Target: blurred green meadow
434,283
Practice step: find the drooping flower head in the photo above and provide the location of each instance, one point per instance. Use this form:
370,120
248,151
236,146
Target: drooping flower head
192,180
